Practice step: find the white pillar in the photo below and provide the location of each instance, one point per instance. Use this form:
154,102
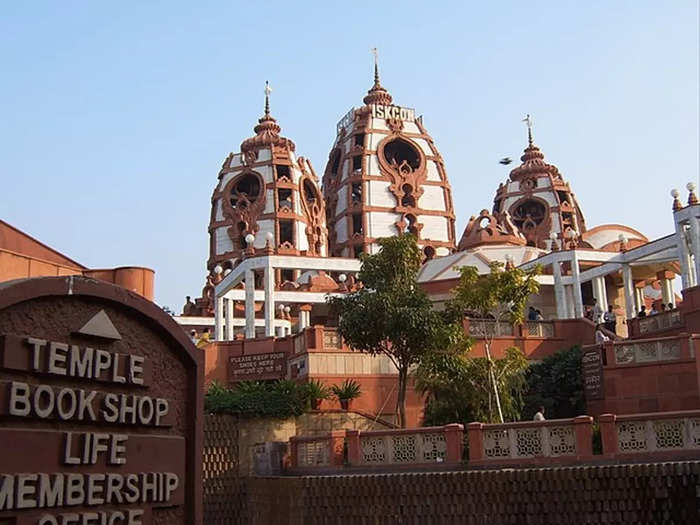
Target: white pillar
694,232
638,298
559,293
628,287
599,292
569,301
229,319
249,304
683,255
269,284
576,277
219,319
304,318
667,295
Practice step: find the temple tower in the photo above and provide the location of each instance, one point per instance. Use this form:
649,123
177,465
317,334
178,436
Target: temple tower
539,201
266,191
385,176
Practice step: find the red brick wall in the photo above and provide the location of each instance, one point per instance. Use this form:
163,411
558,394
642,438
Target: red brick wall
621,494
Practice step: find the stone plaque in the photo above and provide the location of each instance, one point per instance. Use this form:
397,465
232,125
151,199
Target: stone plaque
100,407
272,365
592,367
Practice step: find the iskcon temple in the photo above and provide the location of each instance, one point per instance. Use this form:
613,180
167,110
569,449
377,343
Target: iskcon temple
283,238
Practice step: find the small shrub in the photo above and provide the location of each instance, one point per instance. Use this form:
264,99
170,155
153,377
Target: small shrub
349,389
252,399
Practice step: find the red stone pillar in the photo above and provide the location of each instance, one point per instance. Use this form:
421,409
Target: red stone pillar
316,339
475,433
337,444
454,440
608,435
583,429
609,357
352,438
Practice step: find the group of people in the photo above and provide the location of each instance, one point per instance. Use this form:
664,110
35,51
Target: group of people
662,308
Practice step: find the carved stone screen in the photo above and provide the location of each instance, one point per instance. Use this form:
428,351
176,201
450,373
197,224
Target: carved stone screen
100,408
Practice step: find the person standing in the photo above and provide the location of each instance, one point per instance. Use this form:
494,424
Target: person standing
600,337
532,314
539,415
610,320
597,312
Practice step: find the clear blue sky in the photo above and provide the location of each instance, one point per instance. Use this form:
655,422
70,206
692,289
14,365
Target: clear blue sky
116,116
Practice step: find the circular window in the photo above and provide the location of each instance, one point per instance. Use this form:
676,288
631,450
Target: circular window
529,214
401,155
245,191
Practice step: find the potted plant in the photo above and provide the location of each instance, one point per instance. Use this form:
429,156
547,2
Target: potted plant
316,392
346,392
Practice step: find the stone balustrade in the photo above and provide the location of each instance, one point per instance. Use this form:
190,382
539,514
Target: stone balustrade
556,440
425,446
647,437
642,351
323,452
481,328
664,321
674,435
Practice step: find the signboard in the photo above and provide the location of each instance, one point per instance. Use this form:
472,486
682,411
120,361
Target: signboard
592,365
346,120
393,112
257,366
99,395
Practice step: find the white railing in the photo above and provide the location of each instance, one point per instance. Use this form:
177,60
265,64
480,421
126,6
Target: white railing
540,329
488,328
648,351
662,321
402,448
653,435
530,440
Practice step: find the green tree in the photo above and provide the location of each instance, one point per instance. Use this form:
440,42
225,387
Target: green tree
459,386
391,314
497,297
556,383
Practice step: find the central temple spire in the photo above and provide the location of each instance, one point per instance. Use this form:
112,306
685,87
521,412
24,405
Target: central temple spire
268,90
377,94
376,66
528,123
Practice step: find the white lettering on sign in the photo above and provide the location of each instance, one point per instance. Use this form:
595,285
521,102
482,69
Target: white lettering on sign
393,112
46,402
257,364
46,490
87,363
43,490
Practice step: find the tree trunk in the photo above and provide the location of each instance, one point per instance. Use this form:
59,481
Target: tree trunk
492,376
401,398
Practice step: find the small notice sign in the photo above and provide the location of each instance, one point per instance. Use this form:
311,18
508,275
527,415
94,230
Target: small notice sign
257,366
592,365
